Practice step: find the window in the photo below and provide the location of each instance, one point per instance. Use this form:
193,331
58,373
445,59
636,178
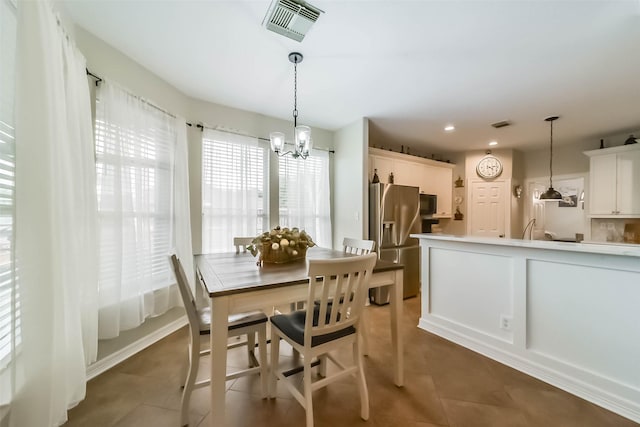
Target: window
235,198
305,196
134,164
9,308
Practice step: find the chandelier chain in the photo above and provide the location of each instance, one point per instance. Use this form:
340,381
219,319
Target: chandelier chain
295,94
551,157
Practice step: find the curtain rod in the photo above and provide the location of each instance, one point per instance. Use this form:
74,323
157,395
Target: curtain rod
203,127
197,125
100,79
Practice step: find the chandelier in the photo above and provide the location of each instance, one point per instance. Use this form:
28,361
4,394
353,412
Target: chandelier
302,134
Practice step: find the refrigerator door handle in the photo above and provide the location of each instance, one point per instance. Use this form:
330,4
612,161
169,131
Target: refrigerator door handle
416,217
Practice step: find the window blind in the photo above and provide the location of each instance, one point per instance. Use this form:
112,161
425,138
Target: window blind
305,196
9,301
234,189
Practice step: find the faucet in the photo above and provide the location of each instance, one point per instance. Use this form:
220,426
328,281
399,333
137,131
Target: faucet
531,223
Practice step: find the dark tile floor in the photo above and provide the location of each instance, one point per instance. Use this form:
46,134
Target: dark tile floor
445,385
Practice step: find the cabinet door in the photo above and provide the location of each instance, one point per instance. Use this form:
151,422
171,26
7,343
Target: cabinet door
602,182
429,184
384,167
407,173
628,180
444,190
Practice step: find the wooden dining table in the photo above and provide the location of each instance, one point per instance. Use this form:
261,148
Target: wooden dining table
235,284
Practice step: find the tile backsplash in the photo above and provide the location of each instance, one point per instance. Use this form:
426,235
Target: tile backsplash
611,229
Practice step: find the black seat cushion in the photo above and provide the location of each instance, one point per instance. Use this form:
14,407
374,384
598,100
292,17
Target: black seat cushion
292,325
236,321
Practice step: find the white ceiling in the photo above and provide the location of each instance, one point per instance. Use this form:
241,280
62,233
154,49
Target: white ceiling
411,67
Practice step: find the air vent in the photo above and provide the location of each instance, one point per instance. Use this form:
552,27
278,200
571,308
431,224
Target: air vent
501,124
291,18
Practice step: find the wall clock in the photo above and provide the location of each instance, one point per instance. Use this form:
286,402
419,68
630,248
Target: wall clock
489,167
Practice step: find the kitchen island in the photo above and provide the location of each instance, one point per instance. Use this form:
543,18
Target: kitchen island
566,313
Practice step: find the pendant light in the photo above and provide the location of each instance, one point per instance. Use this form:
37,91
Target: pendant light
551,194
302,134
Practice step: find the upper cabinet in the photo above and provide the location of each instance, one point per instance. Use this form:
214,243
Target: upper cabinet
430,176
614,181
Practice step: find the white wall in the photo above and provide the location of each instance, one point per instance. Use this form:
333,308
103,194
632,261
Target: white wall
109,63
243,122
350,190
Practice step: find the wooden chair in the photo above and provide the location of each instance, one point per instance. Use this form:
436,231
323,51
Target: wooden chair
325,326
200,324
358,246
241,243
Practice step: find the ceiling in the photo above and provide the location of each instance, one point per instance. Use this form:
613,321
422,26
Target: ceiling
411,67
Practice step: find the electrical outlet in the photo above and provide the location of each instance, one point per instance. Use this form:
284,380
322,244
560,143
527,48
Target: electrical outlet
603,226
611,226
505,322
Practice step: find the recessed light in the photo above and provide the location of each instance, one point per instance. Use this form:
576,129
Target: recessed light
449,128
492,143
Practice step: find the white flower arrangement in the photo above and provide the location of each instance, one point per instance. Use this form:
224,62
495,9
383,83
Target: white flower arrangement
282,244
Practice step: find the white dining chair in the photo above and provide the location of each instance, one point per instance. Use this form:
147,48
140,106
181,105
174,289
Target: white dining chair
358,246
335,300
242,243
200,325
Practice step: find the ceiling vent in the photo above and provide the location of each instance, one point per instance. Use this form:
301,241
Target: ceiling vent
501,124
291,18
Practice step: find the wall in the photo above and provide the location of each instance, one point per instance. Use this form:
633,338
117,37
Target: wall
109,63
243,122
451,226
567,160
507,158
350,194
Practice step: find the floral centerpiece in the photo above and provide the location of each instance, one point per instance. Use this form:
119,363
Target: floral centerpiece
281,245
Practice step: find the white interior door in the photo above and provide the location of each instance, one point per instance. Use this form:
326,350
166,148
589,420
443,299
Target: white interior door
487,209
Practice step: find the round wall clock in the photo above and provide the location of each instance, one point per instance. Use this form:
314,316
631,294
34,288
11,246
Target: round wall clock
489,167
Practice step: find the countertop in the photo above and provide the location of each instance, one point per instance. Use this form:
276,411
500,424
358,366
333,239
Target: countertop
605,248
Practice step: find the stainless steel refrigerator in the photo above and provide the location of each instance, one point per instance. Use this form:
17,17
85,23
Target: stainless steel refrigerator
394,214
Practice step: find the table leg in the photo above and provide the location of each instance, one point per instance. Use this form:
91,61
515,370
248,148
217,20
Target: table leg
396,299
219,320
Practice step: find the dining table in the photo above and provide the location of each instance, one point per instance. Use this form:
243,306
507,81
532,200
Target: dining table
236,283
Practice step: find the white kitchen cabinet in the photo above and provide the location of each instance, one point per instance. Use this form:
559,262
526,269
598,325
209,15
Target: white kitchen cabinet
614,181
443,178
430,176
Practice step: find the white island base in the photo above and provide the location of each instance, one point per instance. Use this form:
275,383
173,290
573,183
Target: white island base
566,313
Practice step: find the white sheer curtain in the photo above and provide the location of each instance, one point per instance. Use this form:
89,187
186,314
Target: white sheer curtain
305,195
135,150
56,254
235,177
182,201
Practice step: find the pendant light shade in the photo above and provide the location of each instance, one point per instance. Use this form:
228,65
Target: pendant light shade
551,194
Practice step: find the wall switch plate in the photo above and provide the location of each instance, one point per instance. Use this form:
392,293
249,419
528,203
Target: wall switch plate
603,226
505,322
611,226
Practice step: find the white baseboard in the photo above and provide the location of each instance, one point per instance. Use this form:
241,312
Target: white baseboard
121,355
618,404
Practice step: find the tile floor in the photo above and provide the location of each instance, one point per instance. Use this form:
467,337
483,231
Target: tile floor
445,385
